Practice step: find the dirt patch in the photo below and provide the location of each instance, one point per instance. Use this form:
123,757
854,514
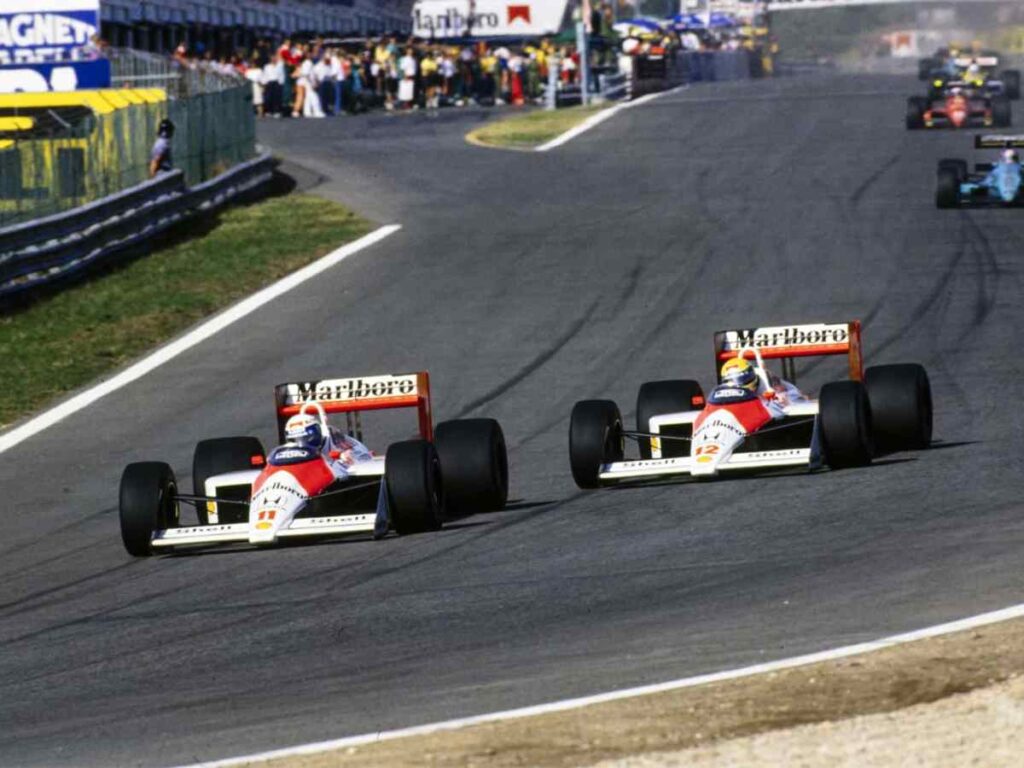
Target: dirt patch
983,728
882,682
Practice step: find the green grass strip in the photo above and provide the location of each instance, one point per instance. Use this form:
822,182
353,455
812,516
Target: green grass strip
531,129
68,339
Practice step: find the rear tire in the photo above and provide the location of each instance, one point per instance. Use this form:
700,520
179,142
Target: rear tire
947,189
660,397
595,438
1001,113
412,472
474,465
146,504
901,406
915,113
925,67
844,418
219,456
1011,80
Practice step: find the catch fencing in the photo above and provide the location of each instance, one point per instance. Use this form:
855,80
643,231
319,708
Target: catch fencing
55,248
59,151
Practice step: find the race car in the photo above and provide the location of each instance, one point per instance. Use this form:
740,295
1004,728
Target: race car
958,106
991,184
976,69
754,420
322,480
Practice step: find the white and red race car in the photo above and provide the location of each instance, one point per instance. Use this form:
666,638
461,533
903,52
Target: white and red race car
332,487
769,426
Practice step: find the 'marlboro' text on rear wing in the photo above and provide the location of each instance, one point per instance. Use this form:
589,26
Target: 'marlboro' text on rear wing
366,393
792,341
995,141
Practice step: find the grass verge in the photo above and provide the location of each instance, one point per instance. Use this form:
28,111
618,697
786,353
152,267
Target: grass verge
69,338
530,130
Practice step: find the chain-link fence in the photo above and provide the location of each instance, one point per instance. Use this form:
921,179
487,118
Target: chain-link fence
140,69
62,150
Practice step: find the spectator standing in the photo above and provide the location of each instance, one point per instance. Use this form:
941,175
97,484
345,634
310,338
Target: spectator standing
273,85
160,160
255,76
324,79
408,69
430,68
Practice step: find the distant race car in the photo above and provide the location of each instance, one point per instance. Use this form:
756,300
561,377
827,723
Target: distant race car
979,69
322,481
753,420
958,106
991,184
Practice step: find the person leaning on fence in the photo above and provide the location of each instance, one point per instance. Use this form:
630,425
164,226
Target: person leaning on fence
160,158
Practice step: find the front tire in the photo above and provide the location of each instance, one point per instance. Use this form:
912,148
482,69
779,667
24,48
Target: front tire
474,465
220,456
947,188
595,438
659,397
844,418
901,406
146,504
957,165
412,471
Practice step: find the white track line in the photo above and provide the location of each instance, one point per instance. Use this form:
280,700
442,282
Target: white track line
595,120
972,622
199,334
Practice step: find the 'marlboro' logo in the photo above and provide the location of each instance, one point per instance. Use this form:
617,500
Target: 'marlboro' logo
791,336
370,387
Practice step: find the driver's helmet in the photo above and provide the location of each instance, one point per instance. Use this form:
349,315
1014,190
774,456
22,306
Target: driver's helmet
305,430
1010,156
738,372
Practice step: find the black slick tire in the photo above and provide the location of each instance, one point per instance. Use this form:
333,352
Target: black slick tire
660,397
915,113
595,438
219,456
146,504
412,471
1011,82
1001,113
957,165
901,406
844,420
474,465
947,188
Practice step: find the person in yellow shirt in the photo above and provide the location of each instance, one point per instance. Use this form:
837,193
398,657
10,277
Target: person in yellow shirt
429,67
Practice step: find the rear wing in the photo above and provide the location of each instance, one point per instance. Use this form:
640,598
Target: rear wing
981,61
995,141
352,396
792,341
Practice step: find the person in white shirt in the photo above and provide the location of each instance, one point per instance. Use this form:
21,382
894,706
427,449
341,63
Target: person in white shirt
273,85
407,68
254,74
307,80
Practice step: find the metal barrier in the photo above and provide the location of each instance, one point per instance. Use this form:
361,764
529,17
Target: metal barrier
46,251
140,69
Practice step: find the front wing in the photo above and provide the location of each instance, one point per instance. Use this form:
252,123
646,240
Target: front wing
630,470
239,532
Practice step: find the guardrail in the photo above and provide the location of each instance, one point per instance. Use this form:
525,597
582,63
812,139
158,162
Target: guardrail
55,248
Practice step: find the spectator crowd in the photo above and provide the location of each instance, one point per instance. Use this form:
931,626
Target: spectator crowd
332,77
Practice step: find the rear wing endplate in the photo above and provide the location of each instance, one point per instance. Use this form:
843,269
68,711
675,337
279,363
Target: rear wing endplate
995,141
365,393
793,341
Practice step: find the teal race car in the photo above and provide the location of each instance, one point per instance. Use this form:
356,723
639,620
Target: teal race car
990,184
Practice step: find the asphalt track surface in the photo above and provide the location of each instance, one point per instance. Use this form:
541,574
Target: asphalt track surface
524,282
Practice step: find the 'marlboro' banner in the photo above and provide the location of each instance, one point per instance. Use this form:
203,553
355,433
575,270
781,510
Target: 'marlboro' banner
487,18
795,5
33,31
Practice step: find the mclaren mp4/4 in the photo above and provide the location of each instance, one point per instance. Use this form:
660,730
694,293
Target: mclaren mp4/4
327,485
767,424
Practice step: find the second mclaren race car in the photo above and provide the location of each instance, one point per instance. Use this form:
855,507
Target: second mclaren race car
755,420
